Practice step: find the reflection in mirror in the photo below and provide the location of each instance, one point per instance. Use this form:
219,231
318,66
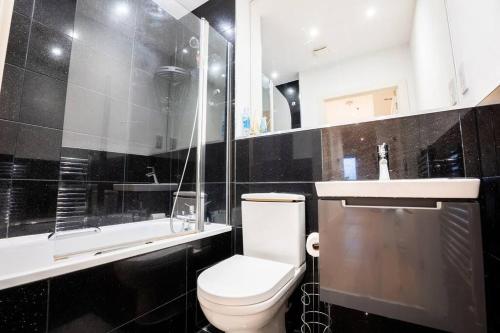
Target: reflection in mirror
357,61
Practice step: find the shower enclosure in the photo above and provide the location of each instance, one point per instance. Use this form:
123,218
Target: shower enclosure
145,132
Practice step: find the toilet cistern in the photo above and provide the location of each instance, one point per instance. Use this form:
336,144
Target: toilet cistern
383,163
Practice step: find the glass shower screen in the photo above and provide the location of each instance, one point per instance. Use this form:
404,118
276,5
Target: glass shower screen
146,97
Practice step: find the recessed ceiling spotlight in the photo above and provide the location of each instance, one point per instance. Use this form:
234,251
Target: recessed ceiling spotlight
57,51
370,12
72,33
215,68
274,75
313,32
290,91
122,9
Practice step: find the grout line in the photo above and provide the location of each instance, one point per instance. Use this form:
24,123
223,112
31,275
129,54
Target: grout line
48,306
146,313
464,164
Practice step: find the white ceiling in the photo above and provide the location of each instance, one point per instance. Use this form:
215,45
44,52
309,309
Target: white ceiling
179,8
342,25
191,4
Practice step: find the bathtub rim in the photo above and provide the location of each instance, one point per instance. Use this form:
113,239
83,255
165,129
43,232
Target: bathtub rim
78,263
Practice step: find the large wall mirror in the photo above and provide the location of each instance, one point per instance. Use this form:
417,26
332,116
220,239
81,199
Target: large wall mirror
332,62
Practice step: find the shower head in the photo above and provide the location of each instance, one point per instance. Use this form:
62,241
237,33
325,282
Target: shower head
172,73
172,86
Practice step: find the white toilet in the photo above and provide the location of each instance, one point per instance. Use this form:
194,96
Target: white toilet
249,293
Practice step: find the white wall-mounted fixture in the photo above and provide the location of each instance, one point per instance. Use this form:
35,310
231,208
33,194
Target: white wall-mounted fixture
437,188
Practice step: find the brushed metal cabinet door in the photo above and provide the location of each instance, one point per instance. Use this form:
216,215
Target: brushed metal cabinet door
418,265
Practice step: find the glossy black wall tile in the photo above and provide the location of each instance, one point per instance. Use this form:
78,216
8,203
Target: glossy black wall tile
32,207
441,153
8,137
424,146
37,153
102,165
195,317
138,206
111,295
215,162
24,309
238,240
10,94
24,7
17,46
4,206
215,202
43,100
104,203
56,14
488,124
470,143
490,214
49,52
204,253
286,157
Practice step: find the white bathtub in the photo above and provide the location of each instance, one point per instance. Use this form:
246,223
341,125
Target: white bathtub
31,258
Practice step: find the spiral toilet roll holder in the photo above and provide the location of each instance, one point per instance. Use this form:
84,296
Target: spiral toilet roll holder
315,316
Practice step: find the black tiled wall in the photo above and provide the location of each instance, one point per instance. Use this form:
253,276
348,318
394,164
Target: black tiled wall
459,143
153,292
33,102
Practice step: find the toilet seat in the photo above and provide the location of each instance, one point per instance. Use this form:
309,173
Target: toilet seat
242,280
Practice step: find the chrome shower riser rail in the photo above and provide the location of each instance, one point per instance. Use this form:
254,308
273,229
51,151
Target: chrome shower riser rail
202,113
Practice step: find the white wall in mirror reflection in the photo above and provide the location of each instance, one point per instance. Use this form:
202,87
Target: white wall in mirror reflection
443,57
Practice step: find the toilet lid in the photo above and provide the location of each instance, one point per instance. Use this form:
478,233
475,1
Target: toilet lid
242,280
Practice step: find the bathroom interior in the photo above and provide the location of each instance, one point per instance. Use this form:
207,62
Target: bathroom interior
250,166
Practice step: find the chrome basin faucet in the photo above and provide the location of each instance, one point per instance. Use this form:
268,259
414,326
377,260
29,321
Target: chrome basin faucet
152,173
383,163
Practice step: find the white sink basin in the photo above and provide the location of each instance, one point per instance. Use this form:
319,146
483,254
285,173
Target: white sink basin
145,187
438,188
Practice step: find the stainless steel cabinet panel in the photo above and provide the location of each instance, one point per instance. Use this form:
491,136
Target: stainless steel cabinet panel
421,265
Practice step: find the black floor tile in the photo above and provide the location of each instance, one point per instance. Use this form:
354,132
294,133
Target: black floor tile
168,318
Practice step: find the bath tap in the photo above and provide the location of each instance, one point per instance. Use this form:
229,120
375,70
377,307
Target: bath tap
152,173
190,217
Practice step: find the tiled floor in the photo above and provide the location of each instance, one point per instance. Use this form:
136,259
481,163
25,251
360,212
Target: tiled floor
209,329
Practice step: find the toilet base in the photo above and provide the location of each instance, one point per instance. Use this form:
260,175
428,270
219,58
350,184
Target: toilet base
276,325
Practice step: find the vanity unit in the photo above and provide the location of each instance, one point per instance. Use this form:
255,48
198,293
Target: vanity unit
405,249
